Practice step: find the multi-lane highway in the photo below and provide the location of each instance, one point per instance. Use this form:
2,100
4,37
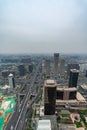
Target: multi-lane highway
18,118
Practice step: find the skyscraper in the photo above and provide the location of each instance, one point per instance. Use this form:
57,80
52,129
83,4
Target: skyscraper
72,66
73,78
56,61
49,97
62,66
21,70
30,68
47,66
86,74
11,81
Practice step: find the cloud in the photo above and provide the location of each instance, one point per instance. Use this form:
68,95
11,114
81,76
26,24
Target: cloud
43,26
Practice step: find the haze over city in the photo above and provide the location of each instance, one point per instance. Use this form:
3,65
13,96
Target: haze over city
43,65
30,26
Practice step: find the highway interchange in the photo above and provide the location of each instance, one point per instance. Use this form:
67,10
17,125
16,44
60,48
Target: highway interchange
18,119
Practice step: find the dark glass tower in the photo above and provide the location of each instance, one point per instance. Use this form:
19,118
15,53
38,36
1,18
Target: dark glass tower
21,70
30,68
72,66
49,97
73,78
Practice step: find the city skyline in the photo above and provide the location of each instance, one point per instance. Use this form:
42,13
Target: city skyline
43,26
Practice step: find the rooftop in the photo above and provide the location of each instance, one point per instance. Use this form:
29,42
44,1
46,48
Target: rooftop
80,97
10,75
5,87
50,82
84,86
67,127
80,128
66,88
74,70
44,125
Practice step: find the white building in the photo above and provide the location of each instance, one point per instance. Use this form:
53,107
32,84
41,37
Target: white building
11,81
44,125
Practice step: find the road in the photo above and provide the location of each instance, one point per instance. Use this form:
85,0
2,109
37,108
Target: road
21,122
17,119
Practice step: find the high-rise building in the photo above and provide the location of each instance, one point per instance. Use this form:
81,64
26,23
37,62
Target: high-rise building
47,66
73,78
56,61
62,66
5,73
11,81
21,70
86,74
30,68
49,97
72,66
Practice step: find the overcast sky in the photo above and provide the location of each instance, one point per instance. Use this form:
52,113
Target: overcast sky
43,26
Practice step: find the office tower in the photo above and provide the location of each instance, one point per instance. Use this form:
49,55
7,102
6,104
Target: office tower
11,81
21,70
62,66
47,67
72,66
43,67
30,68
56,61
49,97
73,78
86,74
5,73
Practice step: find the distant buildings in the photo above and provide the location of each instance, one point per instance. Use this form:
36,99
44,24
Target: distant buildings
30,68
86,74
5,73
73,78
21,70
62,66
47,67
56,61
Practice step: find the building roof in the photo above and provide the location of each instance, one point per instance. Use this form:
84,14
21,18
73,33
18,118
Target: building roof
64,88
66,101
44,125
5,87
81,128
67,127
65,112
84,87
10,75
80,97
50,82
74,70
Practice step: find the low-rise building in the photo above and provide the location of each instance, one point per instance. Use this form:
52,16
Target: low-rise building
44,125
83,90
67,127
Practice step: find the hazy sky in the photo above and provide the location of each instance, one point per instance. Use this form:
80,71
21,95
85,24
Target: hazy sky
43,26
